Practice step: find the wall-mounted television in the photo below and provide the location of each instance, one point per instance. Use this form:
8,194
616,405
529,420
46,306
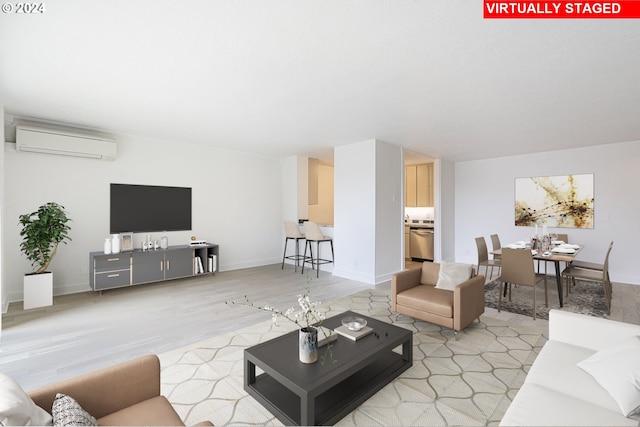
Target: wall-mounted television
149,208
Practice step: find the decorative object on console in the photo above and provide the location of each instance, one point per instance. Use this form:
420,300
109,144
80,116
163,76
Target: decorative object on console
127,242
115,243
107,246
42,232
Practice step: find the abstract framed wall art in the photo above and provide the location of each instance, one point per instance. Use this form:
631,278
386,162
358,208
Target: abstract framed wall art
557,201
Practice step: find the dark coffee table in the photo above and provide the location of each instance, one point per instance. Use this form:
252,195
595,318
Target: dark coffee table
323,393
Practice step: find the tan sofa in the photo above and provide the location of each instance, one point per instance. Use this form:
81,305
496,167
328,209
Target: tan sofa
124,394
414,294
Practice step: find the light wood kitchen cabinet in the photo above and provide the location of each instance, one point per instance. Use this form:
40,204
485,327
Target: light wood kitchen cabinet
419,185
410,186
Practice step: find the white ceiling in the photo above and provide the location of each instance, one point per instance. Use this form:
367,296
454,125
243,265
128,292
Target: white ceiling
302,76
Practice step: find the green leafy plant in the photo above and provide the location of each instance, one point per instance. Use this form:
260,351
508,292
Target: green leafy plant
42,232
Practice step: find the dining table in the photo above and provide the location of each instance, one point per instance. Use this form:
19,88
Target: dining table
556,254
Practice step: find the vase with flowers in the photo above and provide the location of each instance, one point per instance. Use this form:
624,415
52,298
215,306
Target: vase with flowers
306,317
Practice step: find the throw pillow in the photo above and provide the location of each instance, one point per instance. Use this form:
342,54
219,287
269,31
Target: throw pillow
452,274
67,412
617,370
17,408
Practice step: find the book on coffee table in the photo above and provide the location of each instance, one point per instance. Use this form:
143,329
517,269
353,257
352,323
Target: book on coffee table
353,335
325,336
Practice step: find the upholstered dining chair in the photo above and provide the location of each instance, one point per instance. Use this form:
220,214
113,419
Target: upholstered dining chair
483,258
597,275
495,243
518,269
591,265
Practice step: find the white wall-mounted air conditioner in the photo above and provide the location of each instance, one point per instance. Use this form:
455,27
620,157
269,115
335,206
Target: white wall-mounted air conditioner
65,142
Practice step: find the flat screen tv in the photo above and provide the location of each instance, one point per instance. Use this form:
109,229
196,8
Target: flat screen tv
149,208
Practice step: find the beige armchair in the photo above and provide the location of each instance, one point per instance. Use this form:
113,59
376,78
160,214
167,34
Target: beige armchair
124,394
414,293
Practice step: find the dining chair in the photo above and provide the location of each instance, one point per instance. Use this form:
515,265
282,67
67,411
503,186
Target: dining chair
591,265
483,258
518,269
495,243
574,272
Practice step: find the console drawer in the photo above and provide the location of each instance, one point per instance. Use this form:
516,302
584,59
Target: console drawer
112,279
112,262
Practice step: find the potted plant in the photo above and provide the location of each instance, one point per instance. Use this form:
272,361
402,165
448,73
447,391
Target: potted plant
42,232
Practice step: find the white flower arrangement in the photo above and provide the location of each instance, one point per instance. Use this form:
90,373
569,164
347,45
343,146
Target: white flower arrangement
306,317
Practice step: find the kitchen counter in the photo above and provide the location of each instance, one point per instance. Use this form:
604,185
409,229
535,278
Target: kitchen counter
418,224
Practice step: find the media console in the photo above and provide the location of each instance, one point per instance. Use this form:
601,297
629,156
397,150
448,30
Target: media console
138,266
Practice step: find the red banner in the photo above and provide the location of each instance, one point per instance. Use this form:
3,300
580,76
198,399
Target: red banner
624,9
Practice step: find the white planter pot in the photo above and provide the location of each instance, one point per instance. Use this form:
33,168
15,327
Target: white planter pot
38,290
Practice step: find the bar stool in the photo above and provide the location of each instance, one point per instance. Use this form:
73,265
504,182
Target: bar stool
292,232
313,233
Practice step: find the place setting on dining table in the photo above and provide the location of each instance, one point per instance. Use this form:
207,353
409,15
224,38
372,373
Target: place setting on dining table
547,247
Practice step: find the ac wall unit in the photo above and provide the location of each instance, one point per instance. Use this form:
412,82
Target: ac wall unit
63,142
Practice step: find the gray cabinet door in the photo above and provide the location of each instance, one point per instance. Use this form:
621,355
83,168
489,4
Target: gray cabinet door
178,263
148,267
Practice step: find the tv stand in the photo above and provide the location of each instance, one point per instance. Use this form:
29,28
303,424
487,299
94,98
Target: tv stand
138,266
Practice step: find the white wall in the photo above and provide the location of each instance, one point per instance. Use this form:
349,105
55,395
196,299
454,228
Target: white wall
3,295
444,195
237,203
389,195
290,188
484,202
303,187
322,212
368,221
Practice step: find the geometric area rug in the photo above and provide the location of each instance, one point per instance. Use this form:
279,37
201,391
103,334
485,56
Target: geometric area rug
585,298
465,381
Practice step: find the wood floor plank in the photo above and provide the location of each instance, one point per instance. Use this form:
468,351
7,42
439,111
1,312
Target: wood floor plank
87,331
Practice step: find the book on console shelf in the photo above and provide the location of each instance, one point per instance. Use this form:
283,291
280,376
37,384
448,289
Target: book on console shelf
353,335
198,265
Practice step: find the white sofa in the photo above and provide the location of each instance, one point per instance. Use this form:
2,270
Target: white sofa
557,391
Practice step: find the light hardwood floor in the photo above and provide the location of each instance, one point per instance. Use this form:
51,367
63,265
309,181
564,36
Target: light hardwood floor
86,331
